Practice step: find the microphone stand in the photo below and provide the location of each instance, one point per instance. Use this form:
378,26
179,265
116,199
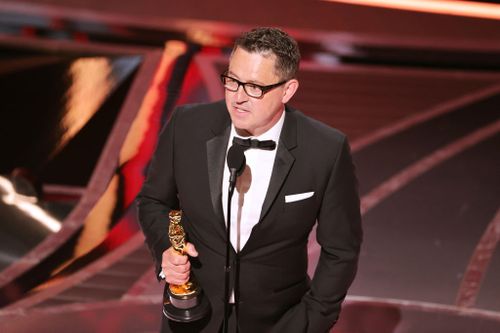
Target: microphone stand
227,267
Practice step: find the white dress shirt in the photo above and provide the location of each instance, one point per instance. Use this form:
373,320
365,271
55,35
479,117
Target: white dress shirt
251,186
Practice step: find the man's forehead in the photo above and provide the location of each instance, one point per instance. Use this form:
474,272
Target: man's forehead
248,61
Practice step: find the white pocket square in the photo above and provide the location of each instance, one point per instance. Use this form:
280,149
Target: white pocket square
298,196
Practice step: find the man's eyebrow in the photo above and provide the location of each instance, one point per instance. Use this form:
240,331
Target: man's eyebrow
228,72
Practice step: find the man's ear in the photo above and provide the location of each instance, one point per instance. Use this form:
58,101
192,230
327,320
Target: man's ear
290,88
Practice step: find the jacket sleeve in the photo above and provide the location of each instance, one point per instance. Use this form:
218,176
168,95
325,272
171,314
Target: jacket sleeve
339,234
159,194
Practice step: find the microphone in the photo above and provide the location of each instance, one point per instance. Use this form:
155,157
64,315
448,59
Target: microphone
236,162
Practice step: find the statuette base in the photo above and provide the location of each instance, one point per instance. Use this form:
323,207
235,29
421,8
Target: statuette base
184,310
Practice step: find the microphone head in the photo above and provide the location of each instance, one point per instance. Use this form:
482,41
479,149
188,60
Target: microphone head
236,159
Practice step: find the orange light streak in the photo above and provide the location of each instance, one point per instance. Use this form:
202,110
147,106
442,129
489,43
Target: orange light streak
444,7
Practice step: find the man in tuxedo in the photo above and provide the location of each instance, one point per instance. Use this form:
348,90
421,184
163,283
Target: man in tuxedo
305,176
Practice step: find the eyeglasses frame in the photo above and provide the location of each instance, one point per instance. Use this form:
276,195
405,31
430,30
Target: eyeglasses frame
264,89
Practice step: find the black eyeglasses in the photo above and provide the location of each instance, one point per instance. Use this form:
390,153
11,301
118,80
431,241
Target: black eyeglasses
251,89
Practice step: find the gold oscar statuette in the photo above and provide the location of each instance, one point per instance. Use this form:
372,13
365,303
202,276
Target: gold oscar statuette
182,303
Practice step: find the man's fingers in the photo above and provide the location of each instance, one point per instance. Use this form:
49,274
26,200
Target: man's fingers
175,278
190,250
177,259
177,268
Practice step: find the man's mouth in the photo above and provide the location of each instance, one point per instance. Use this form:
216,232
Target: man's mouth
239,110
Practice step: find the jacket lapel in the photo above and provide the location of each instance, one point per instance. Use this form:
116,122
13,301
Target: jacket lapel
283,163
216,153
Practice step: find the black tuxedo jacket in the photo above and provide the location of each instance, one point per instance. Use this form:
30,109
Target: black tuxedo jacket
275,293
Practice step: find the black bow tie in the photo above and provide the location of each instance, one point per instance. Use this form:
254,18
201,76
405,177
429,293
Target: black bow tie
254,143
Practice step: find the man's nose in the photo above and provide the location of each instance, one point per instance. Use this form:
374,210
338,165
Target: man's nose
241,95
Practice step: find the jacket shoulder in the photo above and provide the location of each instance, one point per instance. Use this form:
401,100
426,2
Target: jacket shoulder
200,120
316,131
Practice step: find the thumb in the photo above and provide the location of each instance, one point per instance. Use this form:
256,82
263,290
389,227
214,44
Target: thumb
190,250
